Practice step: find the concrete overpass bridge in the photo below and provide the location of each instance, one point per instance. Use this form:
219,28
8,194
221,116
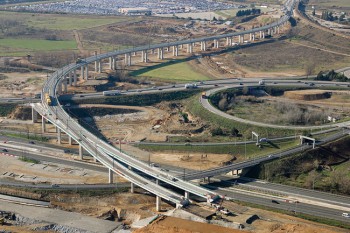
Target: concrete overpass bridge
117,161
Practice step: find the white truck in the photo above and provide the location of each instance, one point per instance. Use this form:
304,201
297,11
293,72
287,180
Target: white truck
190,85
107,93
261,82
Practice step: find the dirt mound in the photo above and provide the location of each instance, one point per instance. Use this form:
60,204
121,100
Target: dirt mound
172,225
308,94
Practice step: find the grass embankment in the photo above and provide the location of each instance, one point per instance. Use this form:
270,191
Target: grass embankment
247,151
195,108
29,160
6,109
175,71
137,100
324,168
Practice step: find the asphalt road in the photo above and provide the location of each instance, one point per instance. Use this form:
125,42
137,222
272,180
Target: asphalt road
313,210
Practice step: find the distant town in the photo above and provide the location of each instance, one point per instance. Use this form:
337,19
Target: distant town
134,7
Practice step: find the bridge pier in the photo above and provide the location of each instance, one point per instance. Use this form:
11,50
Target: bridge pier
160,53
70,78
128,59
158,203
70,142
75,78
132,188
250,36
58,135
189,48
87,72
43,124
80,152
96,68
34,116
187,195
216,43
253,37
110,176
59,90
203,46
99,66
64,85
82,73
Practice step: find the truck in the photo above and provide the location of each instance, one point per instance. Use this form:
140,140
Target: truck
109,93
212,198
37,95
204,95
261,82
48,99
190,85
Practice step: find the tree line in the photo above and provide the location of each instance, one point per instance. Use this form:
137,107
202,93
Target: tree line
252,11
332,76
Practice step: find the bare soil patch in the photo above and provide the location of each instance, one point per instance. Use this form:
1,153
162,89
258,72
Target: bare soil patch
307,95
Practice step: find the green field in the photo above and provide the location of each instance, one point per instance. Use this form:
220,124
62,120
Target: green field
330,3
65,22
23,46
177,71
62,22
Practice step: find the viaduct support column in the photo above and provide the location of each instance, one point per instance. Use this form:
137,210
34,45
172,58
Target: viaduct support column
34,115
59,89
82,73
43,124
96,68
110,176
70,140
58,135
75,78
99,66
70,76
158,202
250,36
65,85
189,48
158,199
129,59
253,37
87,72
110,63
187,195
80,152
132,188
161,53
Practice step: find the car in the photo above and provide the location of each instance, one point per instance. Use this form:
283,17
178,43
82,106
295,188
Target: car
240,83
173,86
346,215
55,186
274,201
81,96
31,142
139,90
215,85
160,89
5,150
274,82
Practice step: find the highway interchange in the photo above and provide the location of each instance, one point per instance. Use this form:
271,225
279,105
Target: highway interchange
124,165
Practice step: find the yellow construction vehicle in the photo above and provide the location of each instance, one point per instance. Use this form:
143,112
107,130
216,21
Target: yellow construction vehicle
48,99
2,221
